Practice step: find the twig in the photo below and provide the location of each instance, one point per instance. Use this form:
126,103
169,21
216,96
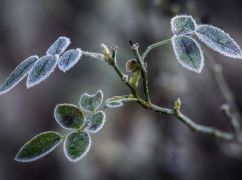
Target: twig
217,73
188,122
152,46
233,121
119,72
227,136
140,61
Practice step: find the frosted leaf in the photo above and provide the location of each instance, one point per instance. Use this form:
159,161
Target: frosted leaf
114,102
95,121
183,24
68,116
39,146
18,74
59,46
76,145
117,101
41,70
89,102
188,52
69,59
219,41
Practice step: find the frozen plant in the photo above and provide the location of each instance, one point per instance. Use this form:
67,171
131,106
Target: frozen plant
89,116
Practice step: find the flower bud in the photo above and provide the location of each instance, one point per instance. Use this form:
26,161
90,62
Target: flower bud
106,53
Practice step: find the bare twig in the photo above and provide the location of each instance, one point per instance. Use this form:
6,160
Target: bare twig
217,73
233,121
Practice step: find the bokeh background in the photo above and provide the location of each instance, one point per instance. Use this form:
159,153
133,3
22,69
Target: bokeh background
134,143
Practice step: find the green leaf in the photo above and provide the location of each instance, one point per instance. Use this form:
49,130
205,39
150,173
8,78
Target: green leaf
18,74
68,116
41,70
39,146
114,102
89,102
135,77
76,145
183,24
219,41
188,52
117,101
95,121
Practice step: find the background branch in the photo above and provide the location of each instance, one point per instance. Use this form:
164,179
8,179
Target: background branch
217,73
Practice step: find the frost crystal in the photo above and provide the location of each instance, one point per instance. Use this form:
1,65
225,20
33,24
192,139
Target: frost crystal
59,46
69,59
18,74
219,41
188,52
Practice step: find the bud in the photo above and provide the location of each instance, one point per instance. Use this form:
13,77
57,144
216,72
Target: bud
125,78
177,105
106,53
132,65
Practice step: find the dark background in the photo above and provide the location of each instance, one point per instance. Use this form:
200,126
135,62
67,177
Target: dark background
134,143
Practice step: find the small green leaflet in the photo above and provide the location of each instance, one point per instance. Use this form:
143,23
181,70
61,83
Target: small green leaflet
39,146
41,70
76,145
183,24
219,41
18,74
69,59
188,52
68,116
135,77
117,101
95,121
59,46
90,103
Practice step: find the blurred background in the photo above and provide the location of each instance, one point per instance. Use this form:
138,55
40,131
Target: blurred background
134,143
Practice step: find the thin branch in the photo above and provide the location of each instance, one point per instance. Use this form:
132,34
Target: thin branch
227,136
217,73
232,119
135,48
152,46
189,123
114,64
